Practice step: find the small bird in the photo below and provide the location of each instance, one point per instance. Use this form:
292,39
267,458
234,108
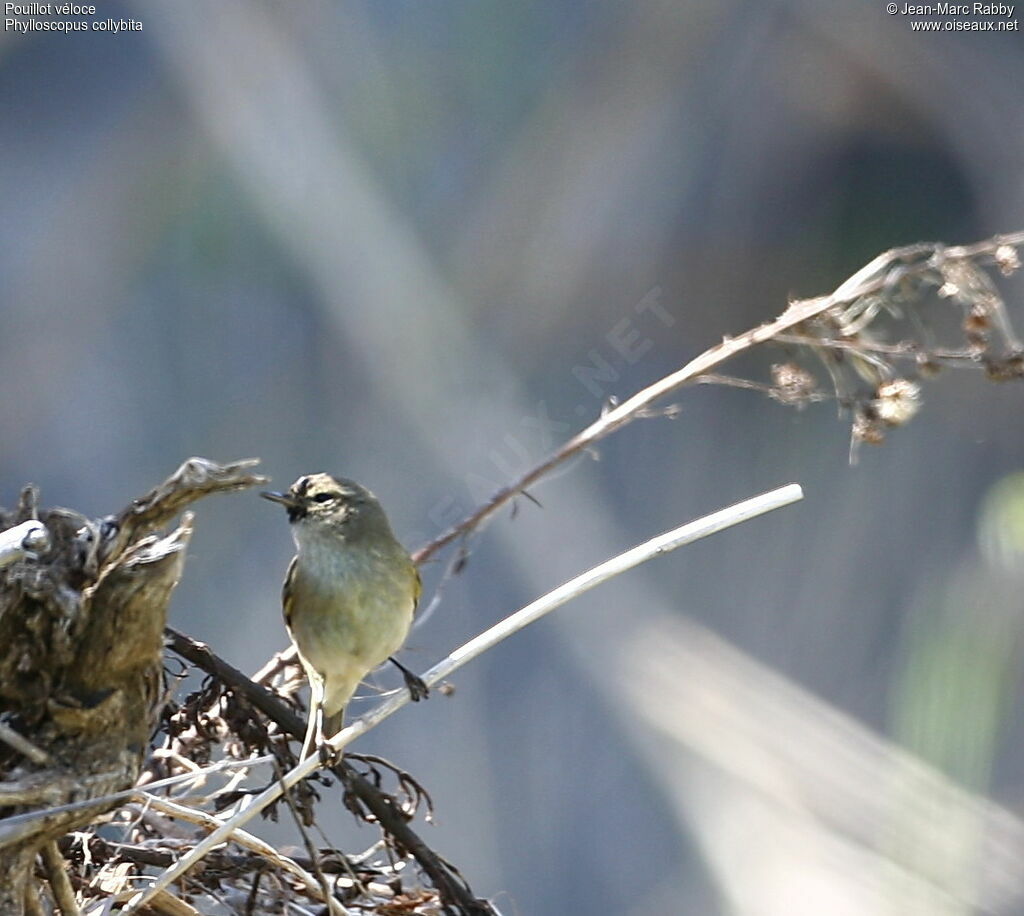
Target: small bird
348,597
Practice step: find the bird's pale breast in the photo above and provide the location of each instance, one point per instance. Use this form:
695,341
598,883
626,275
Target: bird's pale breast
351,609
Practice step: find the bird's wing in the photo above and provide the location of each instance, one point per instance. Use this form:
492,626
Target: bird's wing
417,589
287,594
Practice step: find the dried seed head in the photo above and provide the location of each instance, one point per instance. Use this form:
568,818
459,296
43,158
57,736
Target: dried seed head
1007,260
896,402
961,279
978,319
1009,369
867,428
793,384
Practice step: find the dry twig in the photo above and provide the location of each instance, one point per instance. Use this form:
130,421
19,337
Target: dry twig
892,280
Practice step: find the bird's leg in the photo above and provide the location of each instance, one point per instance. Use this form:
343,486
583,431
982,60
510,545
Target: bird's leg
314,729
418,689
328,755
329,727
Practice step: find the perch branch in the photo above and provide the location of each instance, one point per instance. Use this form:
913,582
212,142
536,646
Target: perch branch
392,821
264,699
488,639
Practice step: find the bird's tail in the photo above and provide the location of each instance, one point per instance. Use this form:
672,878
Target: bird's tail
332,724
320,729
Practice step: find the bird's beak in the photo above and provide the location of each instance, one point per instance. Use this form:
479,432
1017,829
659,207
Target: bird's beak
285,499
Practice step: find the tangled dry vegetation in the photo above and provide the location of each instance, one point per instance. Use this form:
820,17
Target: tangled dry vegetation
92,808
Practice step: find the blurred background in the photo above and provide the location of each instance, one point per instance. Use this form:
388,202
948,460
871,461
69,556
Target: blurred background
421,243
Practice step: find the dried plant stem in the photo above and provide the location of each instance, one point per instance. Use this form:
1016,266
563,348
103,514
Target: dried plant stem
22,745
488,639
451,888
306,841
11,828
248,841
53,862
880,274
33,907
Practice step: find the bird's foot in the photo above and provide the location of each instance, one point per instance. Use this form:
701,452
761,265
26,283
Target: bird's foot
329,757
418,689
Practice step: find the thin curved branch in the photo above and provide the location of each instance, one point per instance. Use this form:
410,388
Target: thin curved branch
883,273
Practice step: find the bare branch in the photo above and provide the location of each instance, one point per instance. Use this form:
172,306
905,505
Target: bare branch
884,273
449,885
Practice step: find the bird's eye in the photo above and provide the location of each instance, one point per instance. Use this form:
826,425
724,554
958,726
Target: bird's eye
323,497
